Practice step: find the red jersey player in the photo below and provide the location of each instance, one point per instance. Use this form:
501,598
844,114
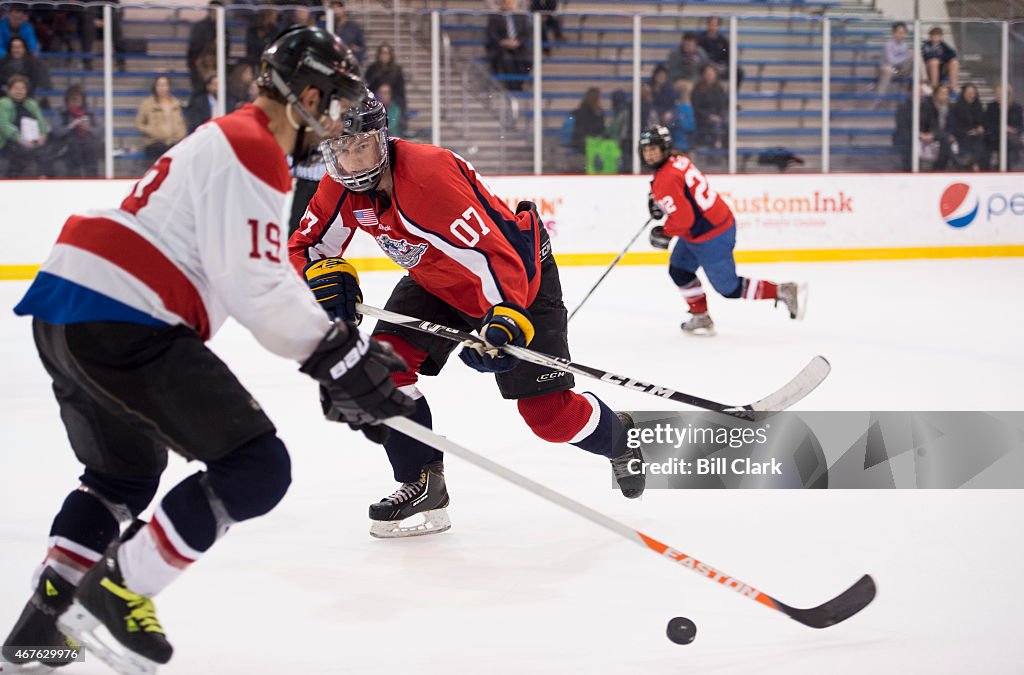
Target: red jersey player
473,264
706,230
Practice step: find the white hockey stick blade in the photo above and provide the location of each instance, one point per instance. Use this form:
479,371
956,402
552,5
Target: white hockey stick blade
24,668
806,381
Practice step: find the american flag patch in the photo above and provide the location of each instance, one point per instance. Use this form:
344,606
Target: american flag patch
366,217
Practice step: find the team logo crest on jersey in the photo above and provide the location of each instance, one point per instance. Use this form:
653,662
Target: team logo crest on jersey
958,205
406,255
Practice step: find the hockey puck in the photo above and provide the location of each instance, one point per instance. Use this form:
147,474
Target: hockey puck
681,630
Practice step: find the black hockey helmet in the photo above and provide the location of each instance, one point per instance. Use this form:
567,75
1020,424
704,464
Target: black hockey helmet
301,57
358,156
659,137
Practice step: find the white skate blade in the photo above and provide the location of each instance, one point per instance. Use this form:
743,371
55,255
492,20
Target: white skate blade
700,332
801,300
34,667
430,522
83,627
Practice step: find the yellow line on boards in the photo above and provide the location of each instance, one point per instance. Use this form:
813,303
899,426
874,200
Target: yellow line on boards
25,272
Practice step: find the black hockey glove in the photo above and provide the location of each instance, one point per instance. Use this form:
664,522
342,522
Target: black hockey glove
355,373
658,237
335,284
504,324
657,213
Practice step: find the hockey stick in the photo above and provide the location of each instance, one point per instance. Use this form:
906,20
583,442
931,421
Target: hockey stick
802,384
614,263
839,608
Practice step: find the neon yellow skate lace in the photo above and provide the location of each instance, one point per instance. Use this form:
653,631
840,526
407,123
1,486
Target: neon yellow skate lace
143,614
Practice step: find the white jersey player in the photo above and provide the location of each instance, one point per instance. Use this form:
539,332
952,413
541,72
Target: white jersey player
122,308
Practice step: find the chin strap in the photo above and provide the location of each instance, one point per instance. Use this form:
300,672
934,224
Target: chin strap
294,104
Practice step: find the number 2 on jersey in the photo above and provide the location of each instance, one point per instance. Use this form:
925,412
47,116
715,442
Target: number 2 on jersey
698,184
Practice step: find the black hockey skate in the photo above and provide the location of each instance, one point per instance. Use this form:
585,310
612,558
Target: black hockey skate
427,497
37,625
630,484
103,598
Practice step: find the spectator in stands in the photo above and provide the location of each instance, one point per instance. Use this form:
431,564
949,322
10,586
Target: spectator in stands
16,24
240,78
686,62
384,70
302,16
23,132
202,47
264,27
648,118
88,20
940,60
937,120
664,94
684,121
20,61
160,119
897,61
589,118
710,108
396,120
716,46
968,128
1014,127
620,129
77,138
350,31
935,144
551,24
202,106
120,44
506,43
54,26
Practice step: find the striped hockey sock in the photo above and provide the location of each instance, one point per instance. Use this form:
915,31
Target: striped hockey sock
693,293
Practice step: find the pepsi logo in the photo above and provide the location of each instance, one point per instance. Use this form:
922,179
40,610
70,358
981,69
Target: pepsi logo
959,205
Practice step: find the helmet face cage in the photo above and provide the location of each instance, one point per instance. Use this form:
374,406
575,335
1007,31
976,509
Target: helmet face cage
358,156
368,151
658,137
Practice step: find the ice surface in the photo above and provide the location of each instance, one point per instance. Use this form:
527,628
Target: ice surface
519,586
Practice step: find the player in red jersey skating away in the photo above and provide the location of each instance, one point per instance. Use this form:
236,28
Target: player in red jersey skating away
707,236
472,264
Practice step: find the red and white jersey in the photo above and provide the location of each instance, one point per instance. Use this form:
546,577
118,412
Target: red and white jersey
443,224
694,211
196,241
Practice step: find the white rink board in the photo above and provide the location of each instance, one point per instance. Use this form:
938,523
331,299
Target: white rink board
596,214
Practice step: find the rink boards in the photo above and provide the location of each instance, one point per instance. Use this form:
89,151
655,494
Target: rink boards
794,217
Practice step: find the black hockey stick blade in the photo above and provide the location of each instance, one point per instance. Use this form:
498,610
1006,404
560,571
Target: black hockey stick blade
839,608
